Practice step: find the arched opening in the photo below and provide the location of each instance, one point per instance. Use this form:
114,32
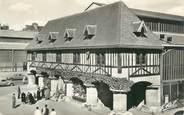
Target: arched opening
46,80
137,94
104,94
79,89
179,113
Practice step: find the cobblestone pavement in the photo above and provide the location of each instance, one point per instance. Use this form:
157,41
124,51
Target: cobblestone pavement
62,108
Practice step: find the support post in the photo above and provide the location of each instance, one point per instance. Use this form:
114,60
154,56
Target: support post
153,95
91,94
119,100
69,88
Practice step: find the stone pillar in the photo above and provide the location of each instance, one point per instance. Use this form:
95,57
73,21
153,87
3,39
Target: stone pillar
31,79
54,84
119,100
69,88
91,94
31,87
153,95
40,83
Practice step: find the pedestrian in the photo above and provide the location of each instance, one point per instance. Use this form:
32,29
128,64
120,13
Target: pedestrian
53,112
31,99
37,111
24,79
43,92
18,92
45,110
13,101
38,94
23,98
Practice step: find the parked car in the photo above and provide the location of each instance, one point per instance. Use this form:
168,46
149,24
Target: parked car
5,82
17,77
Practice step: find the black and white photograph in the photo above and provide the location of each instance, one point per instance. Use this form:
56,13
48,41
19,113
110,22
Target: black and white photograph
91,57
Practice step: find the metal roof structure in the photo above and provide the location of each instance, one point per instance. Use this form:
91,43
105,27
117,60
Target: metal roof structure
158,15
17,34
13,46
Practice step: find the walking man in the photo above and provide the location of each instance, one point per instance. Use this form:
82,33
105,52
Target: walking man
18,92
45,110
23,98
13,101
38,94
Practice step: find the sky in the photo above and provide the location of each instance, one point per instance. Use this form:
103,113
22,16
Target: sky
18,13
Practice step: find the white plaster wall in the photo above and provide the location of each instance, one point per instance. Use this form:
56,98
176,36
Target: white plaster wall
124,73
155,80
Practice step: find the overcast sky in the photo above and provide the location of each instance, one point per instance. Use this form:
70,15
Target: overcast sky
17,13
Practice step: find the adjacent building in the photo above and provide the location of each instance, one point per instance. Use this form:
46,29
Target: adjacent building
111,55
12,49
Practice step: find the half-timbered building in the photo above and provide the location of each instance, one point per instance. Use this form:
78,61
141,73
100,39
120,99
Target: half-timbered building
112,54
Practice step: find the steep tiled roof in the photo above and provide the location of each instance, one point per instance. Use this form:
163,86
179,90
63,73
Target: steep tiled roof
114,29
17,34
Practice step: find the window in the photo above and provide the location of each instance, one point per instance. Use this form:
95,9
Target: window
140,58
33,56
44,57
69,34
100,59
38,40
89,31
119,63
58,57
53,36
76,58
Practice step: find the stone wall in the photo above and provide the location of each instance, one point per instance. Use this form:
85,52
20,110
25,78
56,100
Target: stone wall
153,96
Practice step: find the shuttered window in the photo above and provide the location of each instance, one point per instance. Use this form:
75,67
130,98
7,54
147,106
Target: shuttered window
141,58
58,57
33,56
44,57
76,58
119,63
100,59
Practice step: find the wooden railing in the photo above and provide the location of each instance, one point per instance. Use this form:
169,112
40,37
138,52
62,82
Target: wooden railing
133,71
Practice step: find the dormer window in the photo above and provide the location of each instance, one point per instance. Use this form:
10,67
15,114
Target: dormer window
53,36
140,29
89,31
38,39
69,34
